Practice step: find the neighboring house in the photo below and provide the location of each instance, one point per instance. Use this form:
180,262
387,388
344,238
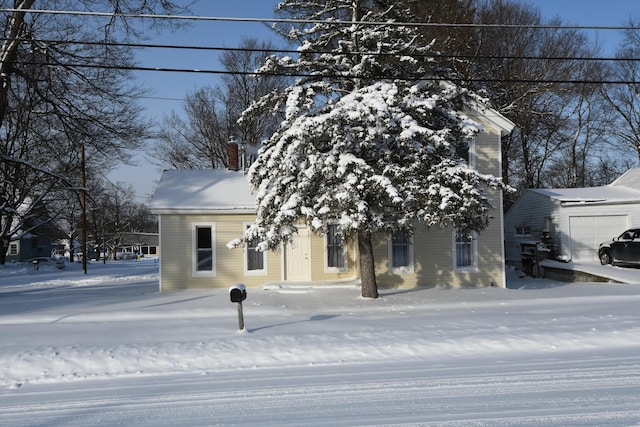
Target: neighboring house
200,211
139,243
28,247
577,219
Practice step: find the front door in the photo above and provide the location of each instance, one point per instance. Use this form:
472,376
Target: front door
296,263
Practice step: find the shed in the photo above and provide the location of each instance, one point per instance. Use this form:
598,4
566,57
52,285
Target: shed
577,219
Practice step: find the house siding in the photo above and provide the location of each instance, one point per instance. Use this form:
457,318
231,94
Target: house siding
319,271
177,257
433,249
534,211
434,260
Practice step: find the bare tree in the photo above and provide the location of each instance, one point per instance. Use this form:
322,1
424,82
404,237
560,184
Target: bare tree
198,138
240,90
625,98
64,84
528,73
454,44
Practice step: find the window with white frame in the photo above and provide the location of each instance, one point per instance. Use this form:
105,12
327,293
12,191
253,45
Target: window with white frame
335,254
204,249
401,252
468,152
255,261
465,249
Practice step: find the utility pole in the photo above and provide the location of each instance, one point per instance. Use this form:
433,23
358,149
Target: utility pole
83,203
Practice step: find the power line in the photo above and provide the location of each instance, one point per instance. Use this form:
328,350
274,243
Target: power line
317,21
324,75
318,52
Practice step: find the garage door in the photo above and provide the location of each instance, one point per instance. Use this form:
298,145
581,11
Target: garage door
587,232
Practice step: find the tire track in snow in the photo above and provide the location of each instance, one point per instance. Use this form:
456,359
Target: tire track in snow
536,393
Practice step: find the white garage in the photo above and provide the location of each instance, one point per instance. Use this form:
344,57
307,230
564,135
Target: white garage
577,219
587,232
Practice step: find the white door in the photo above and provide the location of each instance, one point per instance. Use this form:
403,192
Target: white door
296,263
587,232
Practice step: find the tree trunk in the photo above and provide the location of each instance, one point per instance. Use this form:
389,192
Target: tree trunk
367,266
9,51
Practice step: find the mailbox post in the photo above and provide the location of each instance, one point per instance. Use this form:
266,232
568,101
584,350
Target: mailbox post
237,294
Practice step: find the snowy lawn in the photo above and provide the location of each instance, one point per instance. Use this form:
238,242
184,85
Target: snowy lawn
106,348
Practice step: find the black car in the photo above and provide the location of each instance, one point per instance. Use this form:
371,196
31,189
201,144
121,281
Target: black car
624,249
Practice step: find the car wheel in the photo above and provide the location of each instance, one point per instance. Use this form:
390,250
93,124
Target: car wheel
605,258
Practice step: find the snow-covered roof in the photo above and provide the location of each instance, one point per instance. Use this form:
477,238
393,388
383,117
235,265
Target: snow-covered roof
202,191
607,194
625,189
630,178
489,117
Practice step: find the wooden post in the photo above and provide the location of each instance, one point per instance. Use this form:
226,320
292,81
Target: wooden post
240,317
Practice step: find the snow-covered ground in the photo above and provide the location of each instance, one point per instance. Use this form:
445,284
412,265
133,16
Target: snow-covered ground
107,349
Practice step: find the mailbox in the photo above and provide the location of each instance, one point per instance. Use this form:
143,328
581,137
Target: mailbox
238,293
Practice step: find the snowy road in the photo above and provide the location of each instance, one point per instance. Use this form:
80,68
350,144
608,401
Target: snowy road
108,349
602,391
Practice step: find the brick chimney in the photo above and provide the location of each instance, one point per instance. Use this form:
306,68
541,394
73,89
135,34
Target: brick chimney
232,156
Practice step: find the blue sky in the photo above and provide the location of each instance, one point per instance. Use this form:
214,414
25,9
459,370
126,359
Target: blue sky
169,89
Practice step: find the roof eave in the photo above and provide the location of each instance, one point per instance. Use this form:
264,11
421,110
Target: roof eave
203,211
492,117
597,202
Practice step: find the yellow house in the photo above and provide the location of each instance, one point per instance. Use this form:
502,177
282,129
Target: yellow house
200,211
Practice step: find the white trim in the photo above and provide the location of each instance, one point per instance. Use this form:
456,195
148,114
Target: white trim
491,117
194,250
405,269
474,253
202,211
160,252
327,268
500,218
472,153
503,252
245,261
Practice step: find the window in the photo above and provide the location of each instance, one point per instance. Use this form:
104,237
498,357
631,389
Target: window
523,231
204,250
335,253
465,249
13,249
401,252
467,151
255,261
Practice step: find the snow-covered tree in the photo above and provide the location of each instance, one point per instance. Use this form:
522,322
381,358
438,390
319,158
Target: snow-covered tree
371,133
